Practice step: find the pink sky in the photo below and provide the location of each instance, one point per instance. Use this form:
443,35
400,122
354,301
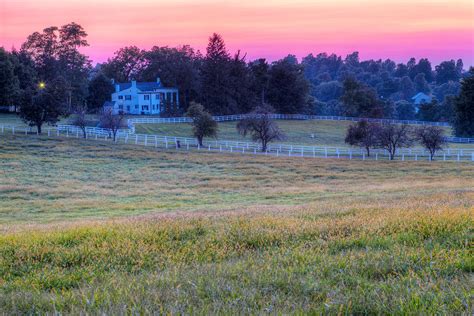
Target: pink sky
396,29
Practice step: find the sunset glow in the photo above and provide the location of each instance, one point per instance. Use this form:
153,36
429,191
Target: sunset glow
396,29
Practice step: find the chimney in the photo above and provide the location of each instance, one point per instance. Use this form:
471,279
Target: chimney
134,83
117,88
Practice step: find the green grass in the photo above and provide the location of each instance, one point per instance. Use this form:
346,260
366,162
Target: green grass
93,227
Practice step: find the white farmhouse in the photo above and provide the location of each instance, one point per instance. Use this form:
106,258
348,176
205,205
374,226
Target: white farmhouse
142,97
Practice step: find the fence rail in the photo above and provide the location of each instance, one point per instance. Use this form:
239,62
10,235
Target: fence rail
279,150
159,120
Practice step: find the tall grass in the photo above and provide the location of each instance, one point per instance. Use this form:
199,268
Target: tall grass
97,228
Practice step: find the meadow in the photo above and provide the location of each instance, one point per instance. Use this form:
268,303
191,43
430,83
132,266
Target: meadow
96,227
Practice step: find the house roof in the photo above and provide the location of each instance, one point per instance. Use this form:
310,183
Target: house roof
421,95
142,86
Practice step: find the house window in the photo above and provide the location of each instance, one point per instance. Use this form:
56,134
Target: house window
128,97
121,106
120,97
168,96
146,97
157,96
136,106
128,108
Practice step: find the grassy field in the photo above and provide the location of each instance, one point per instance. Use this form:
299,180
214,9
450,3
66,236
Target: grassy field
91,227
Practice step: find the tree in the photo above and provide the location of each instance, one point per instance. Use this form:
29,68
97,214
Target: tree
215,76
392,137
202,122
9,84
261,126
421,85
100,88
360,100
126,64
176,67
447,71
429,112
432,138
40,107
80,118
288,90
362,134
261,77
55,52
405,110
464,108
112,122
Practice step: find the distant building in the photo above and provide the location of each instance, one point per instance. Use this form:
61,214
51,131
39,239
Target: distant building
421,98
142,97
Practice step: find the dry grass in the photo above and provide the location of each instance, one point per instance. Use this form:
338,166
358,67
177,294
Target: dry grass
89,227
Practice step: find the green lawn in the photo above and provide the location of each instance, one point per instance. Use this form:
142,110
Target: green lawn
95,227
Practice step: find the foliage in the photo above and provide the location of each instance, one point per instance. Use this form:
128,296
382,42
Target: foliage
127,64
261,127
464,108
44,105
111,121
432,138
394,136
363,134
100,88
203,123
360,100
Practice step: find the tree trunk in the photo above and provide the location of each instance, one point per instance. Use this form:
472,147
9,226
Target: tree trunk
368,151
264,146
38,126
199,138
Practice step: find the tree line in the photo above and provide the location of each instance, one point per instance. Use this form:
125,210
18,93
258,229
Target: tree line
49,77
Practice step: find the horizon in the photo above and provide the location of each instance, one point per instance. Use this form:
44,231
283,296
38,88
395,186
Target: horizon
389,30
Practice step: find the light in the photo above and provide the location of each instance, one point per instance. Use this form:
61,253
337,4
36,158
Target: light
42,85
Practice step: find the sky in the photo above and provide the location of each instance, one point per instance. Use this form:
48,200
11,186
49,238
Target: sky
272,29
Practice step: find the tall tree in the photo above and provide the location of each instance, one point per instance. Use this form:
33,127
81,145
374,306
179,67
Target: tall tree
176,67
100,88
464,108
447,71
55,53
42,106
360,100
261,78
126,64
9,83
288,90
215,76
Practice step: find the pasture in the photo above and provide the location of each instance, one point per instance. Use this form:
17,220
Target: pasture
97,227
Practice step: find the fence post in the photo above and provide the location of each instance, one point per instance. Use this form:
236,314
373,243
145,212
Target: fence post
472,156
350,154
136,139
325,152
2,129
13,130
49,131
376,156
57,131
403,157
337,151
146,140
458,156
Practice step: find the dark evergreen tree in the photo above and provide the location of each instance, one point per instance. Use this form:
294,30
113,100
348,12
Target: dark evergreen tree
288,90
464,108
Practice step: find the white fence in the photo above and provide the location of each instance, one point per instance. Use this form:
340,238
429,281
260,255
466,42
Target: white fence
159,120
278,150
